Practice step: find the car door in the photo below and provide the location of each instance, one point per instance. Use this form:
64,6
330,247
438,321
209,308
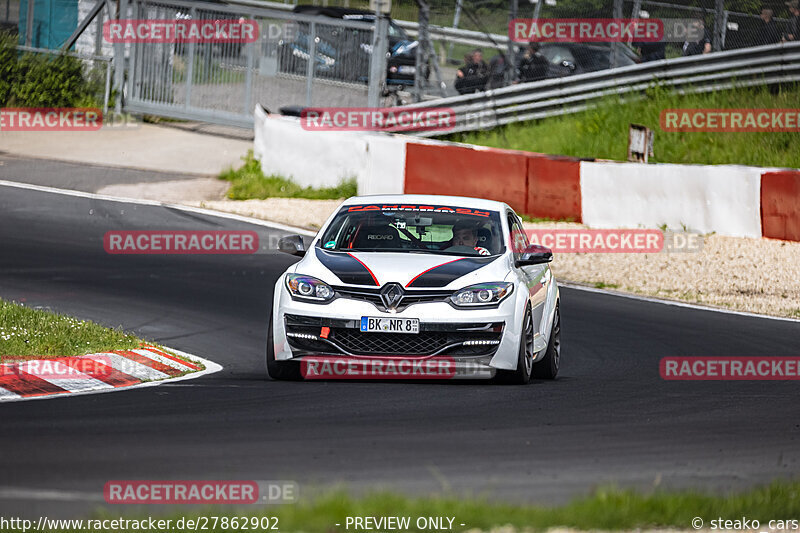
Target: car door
536,276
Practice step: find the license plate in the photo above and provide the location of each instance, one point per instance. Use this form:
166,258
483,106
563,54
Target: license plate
406,69
390,325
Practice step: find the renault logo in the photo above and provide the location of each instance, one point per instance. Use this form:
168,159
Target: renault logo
391,295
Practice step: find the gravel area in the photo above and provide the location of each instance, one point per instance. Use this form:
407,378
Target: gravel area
309,214
753,275
172,191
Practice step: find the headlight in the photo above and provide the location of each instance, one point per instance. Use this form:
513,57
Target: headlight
308,288
482,294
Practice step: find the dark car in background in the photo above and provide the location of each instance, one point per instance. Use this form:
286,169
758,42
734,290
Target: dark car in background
344,54
566,59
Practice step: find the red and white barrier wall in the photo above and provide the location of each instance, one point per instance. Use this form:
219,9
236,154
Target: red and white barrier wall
727,199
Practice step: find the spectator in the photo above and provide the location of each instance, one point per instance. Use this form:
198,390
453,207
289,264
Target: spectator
497,72
768,32
472,77
793,27
532,65
703,46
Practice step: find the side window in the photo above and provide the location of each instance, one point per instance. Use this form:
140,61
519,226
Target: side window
519,240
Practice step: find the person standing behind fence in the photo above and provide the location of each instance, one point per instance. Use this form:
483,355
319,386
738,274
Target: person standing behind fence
472,77
793,27
703,46
532,65
768,30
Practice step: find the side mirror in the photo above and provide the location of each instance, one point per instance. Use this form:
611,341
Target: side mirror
292,245
535,254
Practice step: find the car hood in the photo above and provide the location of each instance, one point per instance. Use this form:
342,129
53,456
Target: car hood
412,270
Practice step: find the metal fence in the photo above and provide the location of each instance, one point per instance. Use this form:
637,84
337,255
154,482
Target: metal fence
298,60
9,12
703,73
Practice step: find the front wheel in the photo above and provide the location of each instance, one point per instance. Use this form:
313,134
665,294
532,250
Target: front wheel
280,370
522,374
547,368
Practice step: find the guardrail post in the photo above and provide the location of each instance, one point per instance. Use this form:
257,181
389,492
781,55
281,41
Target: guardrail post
248,81
29,23
119,60
719,22
617,14
190,64
311,63
377,71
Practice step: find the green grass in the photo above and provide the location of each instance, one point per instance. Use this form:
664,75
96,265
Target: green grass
607,509
249,182
604,285
25,332
603,132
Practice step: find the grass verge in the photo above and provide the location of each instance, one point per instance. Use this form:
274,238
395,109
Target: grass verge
607,509
248,182
33,332
602,132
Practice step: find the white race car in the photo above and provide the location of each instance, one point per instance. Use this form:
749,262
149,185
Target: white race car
419,276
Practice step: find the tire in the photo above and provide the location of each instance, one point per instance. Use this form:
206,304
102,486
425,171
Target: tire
547,368
522,375
280,370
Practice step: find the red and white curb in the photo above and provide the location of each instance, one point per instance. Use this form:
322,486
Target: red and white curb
98,372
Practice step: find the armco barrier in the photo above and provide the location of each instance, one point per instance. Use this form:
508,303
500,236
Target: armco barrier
466,171
780,205
554,187
730,200
706,198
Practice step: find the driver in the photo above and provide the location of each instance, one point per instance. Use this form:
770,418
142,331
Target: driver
466,234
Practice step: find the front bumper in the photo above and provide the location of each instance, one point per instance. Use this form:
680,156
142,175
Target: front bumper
487,338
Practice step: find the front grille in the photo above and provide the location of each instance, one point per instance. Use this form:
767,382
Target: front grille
423,343
410,297
361,343
433,339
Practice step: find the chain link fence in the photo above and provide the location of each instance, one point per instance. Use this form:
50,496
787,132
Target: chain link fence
297,60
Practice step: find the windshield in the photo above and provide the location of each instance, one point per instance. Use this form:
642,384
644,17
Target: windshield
448,230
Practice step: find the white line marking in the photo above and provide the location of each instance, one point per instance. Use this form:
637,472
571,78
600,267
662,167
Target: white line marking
21,493
188,209
674,302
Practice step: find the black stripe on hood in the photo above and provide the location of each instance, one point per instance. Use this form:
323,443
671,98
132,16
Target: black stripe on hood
441,275
346,267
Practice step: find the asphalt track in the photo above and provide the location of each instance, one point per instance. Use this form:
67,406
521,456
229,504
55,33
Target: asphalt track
609,419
